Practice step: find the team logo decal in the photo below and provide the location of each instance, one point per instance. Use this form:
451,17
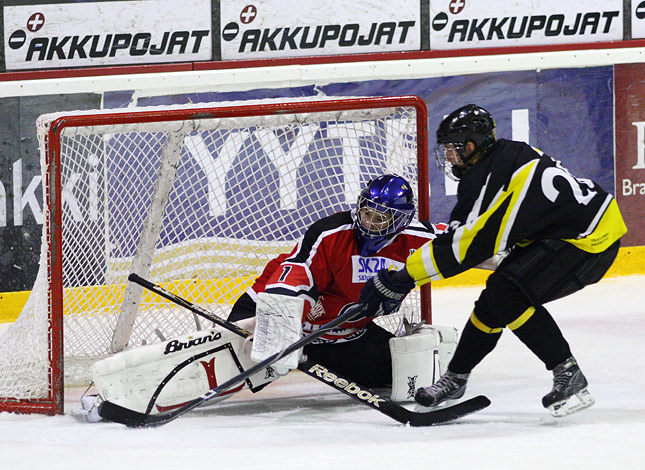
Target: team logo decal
364,269
412,386
270,372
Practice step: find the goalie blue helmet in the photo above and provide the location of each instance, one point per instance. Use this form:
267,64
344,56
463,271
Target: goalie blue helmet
384,208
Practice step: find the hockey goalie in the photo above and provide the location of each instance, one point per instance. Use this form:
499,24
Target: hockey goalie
297,294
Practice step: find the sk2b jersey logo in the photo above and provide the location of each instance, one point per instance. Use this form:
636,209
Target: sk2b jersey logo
365,268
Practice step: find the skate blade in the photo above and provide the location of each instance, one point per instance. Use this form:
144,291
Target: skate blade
444,404
573,404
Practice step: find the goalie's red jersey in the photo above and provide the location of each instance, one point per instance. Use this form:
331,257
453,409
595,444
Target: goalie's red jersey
325,269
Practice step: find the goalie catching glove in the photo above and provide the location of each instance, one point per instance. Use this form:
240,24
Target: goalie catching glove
383,293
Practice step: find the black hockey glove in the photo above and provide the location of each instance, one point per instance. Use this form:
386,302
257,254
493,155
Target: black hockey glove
383,294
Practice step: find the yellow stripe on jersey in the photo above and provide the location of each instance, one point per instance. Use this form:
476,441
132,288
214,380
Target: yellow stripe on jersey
610,228
422,265
517,188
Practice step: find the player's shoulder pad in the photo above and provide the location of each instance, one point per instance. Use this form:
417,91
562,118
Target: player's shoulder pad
322,228
339,220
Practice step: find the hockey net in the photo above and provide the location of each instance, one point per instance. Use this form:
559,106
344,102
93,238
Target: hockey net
197,198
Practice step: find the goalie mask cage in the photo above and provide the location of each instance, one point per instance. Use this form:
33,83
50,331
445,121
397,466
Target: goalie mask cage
198,198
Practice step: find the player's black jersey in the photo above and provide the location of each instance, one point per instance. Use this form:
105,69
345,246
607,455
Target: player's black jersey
516,194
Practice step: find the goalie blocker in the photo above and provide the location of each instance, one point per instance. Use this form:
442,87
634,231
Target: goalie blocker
418,359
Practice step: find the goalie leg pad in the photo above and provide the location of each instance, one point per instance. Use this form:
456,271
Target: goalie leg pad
163,376
418,360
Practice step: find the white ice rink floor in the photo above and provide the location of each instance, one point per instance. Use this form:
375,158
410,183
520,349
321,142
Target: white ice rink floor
299,423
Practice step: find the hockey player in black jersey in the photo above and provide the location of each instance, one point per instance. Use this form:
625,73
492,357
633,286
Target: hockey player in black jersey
561,233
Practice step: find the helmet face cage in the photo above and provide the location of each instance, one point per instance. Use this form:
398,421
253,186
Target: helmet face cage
385,208
469,123
447,157
378,220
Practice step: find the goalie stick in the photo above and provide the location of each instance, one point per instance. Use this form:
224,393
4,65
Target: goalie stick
131,418
389,407
364,395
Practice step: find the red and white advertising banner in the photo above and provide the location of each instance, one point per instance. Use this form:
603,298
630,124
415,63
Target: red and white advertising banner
462,24
294,28
107,33
638,19
629,89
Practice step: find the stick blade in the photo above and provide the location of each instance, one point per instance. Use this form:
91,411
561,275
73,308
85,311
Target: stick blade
449,413
132,419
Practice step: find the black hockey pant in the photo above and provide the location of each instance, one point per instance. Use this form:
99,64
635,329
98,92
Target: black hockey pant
527,278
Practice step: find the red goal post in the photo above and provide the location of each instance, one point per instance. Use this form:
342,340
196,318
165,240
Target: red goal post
197,198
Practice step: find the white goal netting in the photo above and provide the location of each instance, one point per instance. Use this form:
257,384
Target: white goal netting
195,198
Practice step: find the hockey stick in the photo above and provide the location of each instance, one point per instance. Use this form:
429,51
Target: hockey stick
323,374
131,418
389,407
165,293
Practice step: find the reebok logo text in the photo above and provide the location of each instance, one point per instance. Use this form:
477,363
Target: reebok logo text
347,386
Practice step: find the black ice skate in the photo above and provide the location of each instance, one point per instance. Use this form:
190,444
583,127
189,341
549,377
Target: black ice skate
569,393
450,386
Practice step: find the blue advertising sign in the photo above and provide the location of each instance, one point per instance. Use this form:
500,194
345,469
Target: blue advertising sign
567,113
216,191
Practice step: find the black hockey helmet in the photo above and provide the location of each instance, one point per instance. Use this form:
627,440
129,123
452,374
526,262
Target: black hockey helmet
470,123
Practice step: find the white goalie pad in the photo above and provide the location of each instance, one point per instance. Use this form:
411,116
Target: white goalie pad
419,359
278,325
163,376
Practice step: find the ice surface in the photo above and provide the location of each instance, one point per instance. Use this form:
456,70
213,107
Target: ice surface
298,423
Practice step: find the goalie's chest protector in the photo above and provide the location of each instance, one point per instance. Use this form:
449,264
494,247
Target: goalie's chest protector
326,265
343,273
